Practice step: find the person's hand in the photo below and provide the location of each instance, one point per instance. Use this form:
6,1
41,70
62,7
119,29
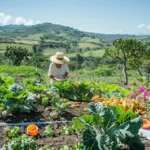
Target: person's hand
59,80
68,76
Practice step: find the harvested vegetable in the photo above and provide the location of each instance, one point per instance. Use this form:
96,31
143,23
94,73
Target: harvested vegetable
125,103
146,124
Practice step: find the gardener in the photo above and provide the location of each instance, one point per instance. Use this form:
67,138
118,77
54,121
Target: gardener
58,69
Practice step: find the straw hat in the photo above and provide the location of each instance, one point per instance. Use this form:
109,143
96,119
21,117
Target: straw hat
59,58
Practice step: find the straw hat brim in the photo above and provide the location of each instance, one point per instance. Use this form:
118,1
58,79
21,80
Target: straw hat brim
57,61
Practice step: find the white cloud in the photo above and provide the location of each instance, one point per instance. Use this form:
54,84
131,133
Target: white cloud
144,26
6,20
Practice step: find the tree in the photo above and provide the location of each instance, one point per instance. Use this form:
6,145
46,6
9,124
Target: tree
79,60
35,49
16,54
126,51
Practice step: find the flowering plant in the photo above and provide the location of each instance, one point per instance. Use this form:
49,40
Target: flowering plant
141,94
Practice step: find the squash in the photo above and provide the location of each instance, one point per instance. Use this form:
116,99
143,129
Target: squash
146,124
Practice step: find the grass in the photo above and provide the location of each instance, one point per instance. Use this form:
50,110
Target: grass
4,45
29,42
96,53
50,40
26,71
90,45
94,40
84,39
52,51
33,37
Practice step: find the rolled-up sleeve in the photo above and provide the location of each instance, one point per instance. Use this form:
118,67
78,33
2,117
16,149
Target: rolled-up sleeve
51,70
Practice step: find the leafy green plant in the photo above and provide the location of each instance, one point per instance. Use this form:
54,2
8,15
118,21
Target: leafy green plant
109,90
14,97
24,71
67,130
106,128
102,71
45,100
64,147
12,131
49,130
82,91
22,142
34,85
78,147
46,148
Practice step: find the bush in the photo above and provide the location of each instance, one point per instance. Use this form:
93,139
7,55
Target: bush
25,71
73,65
103,71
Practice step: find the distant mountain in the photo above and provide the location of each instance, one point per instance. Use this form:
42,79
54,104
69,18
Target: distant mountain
22,30
111,36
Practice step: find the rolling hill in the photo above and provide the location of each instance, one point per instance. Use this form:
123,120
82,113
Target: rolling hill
50,38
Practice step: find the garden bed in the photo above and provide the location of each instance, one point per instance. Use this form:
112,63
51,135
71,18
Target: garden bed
33,102
42,115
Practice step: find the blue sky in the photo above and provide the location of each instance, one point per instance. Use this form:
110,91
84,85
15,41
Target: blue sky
102,16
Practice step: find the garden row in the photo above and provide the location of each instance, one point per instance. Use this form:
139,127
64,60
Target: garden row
103,116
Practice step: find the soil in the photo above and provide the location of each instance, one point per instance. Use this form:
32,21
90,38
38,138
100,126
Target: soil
44,115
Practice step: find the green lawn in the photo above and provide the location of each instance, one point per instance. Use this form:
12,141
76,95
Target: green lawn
4,45
96,53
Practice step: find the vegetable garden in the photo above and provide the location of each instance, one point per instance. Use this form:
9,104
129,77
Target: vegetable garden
73,115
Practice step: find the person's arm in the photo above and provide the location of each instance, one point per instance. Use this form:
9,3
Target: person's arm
54,78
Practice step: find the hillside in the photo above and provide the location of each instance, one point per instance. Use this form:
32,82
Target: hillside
50,38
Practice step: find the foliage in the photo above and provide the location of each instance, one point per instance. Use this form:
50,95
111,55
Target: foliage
146,69
60,105
49,130
106,129
34,85
12,131
23,71
16,54
103,71
64,147
127,51
67,130
109,90
82,91
22,142
14,97
46,148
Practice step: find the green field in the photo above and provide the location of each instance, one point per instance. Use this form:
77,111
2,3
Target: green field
4,45
52,51
90,45
28,42
96,53
33,37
